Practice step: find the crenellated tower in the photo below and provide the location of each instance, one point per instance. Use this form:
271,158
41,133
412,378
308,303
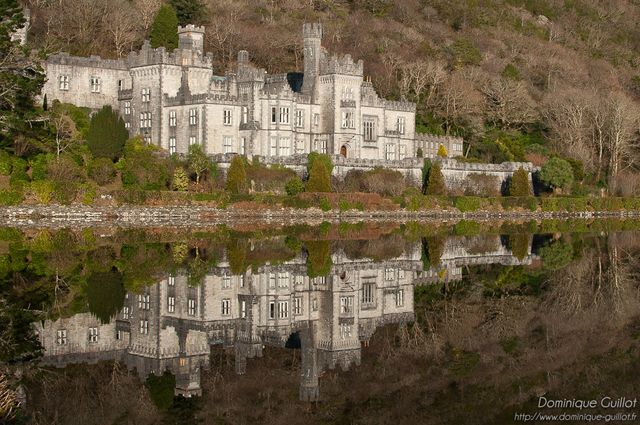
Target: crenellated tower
312,33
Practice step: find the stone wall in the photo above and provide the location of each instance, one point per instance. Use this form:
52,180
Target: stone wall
456,174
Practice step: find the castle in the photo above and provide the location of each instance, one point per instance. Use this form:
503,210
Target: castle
173,325
173,99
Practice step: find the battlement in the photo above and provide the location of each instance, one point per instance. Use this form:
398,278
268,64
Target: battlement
423,137
312,30
190,28
344,65
91,62
509,167
184,55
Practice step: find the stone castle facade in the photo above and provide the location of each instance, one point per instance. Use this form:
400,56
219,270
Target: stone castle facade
174,99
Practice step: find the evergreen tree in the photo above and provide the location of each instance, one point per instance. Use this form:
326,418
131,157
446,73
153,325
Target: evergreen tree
21,78
436,185
180,179
319,179
105,295
164,30
557,173
237,176
189,11
519,185
442,151
426,168
107,134
315,156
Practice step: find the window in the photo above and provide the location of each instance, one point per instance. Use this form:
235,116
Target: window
316,119
284,115
171,281
346,305
227,144
127,108
314,304
368,293
285,146
298,280
147,138
390,152
172,147
400,274
146,95
93,335
283,280
226,306
242,281
299,121
400,298
299,146
145,119
120,85
243,309
243,145
345,331
297,306
226,281
402,151
274,112
245,115
96,84
61,337
272,280
143,302
274,146
283,309
400,125
320,146
369,130
226,117
191,303
272,309
127,125
193,140
119,335
144,327
389,274
125,313
348,120
63,82
193,116
171,304
347,93
173,119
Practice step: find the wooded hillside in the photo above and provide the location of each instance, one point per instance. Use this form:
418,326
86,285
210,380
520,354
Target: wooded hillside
519,79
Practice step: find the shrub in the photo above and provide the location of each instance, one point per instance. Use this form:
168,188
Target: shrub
319,178
519,185
436,185
557,173
180,179
324,158
384,182
237,176
39,166
107,134
271,179
468,203
5,163
18,172
294,186
325,205
143,166
10,197
102,171
480,184
161,388
442,151
43,191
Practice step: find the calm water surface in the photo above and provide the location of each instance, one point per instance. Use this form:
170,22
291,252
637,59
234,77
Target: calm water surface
350,323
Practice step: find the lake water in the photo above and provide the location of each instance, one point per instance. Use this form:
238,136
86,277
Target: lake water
341,323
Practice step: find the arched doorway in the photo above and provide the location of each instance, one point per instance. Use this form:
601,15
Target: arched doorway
343,151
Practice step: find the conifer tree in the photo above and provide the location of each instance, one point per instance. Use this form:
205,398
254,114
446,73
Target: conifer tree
164,30
237,176
436,185
442,151
319,179
520,183
107,134
189,11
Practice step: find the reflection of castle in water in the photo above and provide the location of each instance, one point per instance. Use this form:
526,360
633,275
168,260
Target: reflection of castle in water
171,325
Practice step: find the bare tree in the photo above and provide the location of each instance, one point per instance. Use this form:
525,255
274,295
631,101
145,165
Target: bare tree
147,10
121,26
509,104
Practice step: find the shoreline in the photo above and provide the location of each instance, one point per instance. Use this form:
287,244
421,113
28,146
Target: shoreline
197,216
